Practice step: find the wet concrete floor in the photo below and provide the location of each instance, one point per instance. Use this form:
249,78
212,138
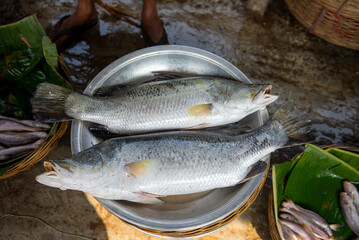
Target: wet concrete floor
321,78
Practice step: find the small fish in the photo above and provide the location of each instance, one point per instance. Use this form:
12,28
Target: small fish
288,234
11,126
289,217
312,217
349,212
142,168
186,103
14,151
351,190
29,123
308,225
20,138
297,228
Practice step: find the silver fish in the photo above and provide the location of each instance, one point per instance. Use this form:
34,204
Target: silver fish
13,151
11,126
351,190
29,123
349,212
313,230
187,103
288,234
289,217
142,168
297,228
20,138
312,217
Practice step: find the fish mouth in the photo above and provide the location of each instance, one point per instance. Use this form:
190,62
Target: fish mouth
263,97
51,177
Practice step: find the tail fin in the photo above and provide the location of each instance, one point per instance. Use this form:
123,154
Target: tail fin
48,103
296,124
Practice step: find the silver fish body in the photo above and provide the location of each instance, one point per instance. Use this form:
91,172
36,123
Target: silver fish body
18,150
188,103
351,190
349,212
29,123
141,168
297,228
20,138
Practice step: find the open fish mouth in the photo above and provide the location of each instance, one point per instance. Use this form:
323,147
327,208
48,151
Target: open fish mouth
51,177
264,97
49,167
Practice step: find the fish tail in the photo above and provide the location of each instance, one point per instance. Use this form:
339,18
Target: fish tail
48,103
296,124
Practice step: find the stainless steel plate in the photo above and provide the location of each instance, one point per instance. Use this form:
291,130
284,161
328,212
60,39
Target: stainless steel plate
178,212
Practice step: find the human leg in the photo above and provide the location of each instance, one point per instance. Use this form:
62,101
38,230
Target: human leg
152,27
85,16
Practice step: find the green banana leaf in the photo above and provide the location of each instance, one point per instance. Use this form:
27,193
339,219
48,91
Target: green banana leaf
28,57
280,174
22,34
314,181
50,52
351,158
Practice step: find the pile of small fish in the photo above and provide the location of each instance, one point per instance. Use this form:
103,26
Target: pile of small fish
20,136
144,168
349,203
298,223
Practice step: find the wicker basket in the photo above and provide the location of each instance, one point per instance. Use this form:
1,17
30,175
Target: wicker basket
211,227
271,218
57,130
336,21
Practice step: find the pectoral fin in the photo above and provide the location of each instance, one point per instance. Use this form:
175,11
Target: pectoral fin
140,168
200,110
199,126
255,169
147,198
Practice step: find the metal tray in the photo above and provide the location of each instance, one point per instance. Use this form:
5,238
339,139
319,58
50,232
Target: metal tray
184,212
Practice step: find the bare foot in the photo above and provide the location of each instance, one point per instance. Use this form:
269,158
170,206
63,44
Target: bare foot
83,15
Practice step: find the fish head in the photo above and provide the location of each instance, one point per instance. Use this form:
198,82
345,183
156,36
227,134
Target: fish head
349,187
66,174
249,98
345,199
56,174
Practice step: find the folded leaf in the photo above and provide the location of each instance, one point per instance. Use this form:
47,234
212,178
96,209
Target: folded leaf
50,52
351,158
280,175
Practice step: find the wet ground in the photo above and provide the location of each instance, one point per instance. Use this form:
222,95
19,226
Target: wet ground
321,78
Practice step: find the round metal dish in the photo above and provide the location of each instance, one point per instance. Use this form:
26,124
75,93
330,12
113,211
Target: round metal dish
178,213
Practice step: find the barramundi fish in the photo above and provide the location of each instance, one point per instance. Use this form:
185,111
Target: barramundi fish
144,167
185,103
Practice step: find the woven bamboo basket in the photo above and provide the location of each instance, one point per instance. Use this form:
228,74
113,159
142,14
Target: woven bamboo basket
336,21
271,218
56,132
211,227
